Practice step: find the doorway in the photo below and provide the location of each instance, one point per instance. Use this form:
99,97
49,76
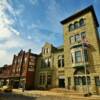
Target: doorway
82,81
62,83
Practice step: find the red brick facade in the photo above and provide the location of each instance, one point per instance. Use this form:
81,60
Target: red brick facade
22,71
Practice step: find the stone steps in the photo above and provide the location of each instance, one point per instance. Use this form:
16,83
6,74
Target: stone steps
67,92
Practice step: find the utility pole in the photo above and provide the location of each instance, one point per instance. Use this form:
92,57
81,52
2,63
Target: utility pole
85,67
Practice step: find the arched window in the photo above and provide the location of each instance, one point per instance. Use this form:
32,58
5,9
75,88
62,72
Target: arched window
82,22
76,25
71,27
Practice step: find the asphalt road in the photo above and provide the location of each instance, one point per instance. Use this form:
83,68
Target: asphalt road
11,96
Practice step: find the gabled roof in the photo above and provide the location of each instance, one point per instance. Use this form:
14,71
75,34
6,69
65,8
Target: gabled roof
90,8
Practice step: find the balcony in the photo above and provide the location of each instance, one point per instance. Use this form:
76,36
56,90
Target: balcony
81,64
77,44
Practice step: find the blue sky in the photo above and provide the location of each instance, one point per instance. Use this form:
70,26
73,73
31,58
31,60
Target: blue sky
28,24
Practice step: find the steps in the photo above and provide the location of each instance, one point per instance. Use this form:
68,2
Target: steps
67,92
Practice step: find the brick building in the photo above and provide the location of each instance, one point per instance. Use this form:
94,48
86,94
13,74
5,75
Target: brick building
5,73
22,71
73,66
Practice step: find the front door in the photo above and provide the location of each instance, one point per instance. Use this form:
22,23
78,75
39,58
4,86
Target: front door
62,83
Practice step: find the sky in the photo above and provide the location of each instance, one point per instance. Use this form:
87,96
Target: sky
26,24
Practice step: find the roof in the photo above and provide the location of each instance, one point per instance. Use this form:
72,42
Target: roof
61,47
89,8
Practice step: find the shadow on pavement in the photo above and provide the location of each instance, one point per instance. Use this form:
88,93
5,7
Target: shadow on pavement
11,96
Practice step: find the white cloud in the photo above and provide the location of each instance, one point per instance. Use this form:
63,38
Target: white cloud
7,33
14,31
5,57
6,22
33,2
29,37
33,26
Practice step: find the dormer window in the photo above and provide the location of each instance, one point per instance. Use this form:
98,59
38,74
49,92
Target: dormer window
46,50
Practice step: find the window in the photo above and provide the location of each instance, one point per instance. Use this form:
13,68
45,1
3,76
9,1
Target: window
77,37
82,80
18,60
43,50
47,62
15,61
25,60
61,61
81,22
42,63
49,80
88,80
78,56
42,79
72,57
47,50
97,81
71,27
83,35
72,39
76,25
77,80
86,55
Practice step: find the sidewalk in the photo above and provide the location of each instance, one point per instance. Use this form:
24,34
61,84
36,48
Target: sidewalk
39,93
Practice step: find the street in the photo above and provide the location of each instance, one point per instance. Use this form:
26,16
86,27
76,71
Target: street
11,96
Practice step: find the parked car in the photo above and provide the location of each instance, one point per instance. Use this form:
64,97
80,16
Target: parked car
7,89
